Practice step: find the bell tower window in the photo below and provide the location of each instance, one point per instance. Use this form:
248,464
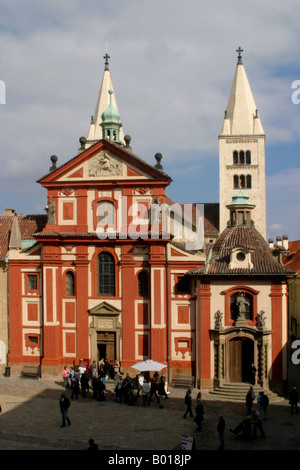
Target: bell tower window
242,157
242,182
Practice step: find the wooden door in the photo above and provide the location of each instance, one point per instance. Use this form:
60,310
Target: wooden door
107,346
235,360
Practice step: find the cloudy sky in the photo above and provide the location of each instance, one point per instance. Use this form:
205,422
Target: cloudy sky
172,64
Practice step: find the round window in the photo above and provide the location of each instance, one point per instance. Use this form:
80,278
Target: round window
240,256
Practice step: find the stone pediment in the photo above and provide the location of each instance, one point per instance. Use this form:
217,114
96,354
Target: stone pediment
104,309
103,161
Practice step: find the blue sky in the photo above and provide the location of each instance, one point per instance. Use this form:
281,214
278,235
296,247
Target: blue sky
172,64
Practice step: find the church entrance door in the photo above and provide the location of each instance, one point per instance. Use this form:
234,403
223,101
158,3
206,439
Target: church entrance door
241,357
106,345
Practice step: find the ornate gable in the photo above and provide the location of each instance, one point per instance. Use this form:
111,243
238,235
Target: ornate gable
103,161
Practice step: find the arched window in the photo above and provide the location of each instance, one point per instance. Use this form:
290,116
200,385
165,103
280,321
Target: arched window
182,285
143,287
241,306
70,283
105,213
106,274
236,182
242,157
242,181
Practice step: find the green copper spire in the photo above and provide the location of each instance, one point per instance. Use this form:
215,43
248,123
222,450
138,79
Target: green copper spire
111,122
240,210
240,199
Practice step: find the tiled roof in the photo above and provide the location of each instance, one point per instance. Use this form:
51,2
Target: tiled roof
292,259
211,218
218,260
211,215
29,224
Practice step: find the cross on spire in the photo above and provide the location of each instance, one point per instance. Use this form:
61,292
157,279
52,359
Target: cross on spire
240,50
106,57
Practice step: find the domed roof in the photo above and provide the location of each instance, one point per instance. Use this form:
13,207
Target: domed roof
246,238
110,115
241,199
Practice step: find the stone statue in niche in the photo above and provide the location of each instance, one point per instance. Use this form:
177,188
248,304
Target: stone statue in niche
104,165
50,209
242,304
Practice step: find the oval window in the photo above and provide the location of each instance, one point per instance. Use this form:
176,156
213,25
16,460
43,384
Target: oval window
240,256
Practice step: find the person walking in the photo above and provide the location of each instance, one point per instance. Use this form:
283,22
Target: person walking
75,388
66,375
153,390
257,423
119,387
253,374
84,382
64,405
249,400
188,402
161,393
139,383
294,400
145,392
92,445
221,431
199,412
263,405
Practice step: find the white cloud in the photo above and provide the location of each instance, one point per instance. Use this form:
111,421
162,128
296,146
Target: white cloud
172,64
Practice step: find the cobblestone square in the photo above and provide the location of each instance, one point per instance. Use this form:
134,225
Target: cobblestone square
31,420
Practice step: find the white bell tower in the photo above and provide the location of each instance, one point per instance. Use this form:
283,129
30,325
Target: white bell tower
242,151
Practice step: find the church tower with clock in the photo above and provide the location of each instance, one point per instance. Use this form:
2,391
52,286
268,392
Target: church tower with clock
242,151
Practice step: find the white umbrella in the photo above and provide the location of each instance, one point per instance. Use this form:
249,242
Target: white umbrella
148,365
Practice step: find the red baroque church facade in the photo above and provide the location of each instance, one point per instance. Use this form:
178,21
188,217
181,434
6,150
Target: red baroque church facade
104,277
120,271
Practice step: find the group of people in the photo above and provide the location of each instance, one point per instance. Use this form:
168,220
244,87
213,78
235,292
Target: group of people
253,421
81,380
199,409
199,415
128,390
262,403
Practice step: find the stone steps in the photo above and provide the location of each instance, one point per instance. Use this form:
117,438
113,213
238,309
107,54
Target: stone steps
238,392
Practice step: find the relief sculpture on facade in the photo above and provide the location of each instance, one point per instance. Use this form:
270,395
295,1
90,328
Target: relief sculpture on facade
104,165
